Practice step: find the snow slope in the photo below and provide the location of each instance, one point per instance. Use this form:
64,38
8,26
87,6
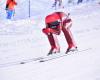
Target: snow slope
23,39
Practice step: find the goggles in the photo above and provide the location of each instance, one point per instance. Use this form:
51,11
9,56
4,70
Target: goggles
54,24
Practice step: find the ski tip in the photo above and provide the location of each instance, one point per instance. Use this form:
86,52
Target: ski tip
41,61
22,62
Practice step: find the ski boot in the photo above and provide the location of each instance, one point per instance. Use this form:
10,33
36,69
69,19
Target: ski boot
72,49
53,50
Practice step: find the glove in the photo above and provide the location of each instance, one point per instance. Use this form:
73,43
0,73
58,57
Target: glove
46,31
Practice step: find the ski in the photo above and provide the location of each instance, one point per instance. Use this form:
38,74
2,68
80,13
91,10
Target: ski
42,58
59,55
30,60
20,62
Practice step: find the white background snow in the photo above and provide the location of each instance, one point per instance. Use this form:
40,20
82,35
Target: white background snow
22,39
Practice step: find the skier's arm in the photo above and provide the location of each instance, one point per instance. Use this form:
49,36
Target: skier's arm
6,7
67,23
7,4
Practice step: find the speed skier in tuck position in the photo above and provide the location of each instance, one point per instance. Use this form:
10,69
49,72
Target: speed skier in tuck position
56,22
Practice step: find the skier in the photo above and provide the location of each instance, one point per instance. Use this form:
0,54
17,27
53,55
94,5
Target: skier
10,8
79,1
59,2
56,22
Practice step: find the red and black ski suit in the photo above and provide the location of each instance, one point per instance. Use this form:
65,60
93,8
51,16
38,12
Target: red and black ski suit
56,22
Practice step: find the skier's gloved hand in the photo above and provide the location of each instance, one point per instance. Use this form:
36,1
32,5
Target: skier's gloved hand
46,31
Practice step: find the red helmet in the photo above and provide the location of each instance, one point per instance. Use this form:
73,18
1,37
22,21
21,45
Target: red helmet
56,16
52,17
